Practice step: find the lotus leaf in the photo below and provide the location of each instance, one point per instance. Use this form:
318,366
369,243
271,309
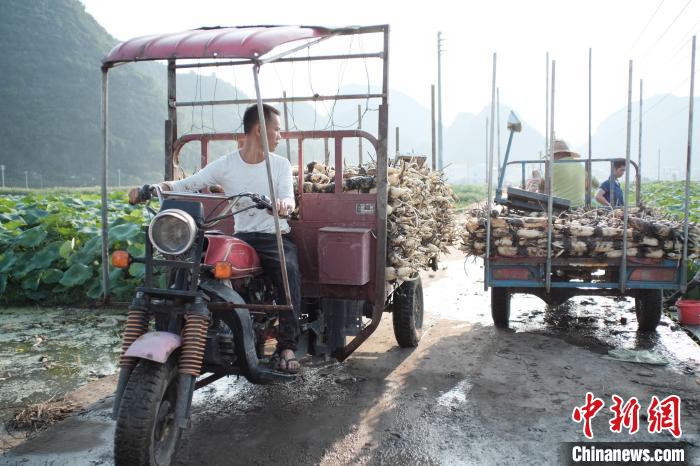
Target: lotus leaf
77,274
7,260
45,257
51,276
31,281
124,232
32,237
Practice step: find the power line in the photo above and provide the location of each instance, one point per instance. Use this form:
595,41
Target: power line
666,96
668,28
687,37
653,15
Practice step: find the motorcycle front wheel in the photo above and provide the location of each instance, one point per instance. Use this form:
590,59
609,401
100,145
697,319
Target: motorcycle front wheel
146,432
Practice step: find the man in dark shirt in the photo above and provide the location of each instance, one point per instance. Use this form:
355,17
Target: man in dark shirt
610,193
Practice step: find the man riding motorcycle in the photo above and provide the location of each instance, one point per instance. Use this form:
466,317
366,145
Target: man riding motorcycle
245,170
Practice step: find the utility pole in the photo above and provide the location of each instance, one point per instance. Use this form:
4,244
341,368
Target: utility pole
26,179
440,144
397,142
486,143
2,168
432,122
498,132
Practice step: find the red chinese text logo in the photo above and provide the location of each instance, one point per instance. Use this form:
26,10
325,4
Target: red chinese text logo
587,412
626,415
665,415
662,414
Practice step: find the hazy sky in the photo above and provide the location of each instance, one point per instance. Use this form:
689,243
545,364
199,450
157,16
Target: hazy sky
656,34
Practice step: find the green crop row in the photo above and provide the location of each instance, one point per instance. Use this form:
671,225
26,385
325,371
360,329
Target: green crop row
670,196
51,247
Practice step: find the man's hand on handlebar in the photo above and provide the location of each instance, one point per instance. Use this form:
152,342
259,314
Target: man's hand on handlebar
143,194
284,208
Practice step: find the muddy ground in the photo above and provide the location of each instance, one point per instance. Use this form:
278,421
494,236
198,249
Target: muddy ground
469,394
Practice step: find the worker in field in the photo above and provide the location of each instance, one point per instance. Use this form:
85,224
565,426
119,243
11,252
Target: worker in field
568,178
610,193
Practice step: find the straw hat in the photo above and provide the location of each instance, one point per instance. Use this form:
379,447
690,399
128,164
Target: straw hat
560,149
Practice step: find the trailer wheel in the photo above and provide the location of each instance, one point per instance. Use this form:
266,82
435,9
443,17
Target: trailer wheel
146,431
647,306
408,313
500,306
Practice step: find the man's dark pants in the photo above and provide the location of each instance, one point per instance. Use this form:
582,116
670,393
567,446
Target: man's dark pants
265,244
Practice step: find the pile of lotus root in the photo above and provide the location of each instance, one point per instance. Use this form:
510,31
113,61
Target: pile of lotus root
420,220
579,233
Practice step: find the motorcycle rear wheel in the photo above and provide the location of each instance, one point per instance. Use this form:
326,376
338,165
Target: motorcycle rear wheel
146,432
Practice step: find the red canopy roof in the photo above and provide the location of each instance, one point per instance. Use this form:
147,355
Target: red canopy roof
220,42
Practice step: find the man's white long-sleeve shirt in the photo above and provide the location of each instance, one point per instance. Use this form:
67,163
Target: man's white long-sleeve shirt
237,176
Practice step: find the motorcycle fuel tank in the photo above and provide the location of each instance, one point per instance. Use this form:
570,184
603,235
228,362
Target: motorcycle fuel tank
242,257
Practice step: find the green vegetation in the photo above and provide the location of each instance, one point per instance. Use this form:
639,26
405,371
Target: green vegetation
50,247
670,196
50,51
468,194
50,89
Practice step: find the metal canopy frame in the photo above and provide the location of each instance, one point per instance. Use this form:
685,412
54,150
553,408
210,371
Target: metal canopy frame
238,46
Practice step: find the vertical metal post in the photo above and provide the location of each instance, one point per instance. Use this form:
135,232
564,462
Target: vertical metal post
623,263
286,126
498,132
684,265
489,182
326,154
119,176
638,188
105,199
26,179
359,143
439,54
397,142
382,197
550,199
432,122
486,144
171,123
271,185
546,112
589,164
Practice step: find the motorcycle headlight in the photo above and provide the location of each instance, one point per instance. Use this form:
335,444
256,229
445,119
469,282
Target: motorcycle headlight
172,231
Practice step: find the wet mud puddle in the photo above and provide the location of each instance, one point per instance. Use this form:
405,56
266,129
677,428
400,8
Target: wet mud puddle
48,352
599,324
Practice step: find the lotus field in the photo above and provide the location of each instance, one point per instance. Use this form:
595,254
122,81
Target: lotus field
50,247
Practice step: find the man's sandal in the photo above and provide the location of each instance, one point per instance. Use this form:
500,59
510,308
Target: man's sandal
276,363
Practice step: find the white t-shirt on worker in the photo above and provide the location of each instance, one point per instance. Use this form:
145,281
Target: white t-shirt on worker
237,176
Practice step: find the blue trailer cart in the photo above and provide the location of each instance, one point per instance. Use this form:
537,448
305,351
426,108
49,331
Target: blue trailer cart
554,279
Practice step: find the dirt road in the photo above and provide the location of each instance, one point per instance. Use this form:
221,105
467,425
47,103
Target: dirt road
469,394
